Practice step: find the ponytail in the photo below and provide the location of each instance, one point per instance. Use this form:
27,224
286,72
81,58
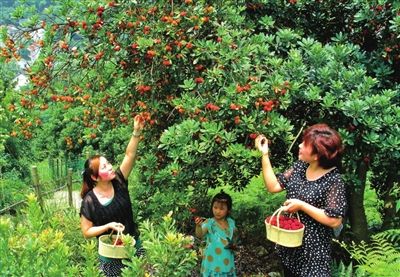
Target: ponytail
91,169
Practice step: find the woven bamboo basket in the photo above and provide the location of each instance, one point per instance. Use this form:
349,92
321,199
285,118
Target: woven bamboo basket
287,238
112,250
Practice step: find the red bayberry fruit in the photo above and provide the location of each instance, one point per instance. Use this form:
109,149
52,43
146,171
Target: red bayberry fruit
212,107
199,80
253,136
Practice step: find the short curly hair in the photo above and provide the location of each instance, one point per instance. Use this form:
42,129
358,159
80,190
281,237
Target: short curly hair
326,143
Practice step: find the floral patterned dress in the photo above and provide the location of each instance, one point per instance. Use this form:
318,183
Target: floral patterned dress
328,192
218,260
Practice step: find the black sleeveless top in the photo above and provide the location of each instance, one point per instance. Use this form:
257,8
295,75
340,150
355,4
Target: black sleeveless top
118,210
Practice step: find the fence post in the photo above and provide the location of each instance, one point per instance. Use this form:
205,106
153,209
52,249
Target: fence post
61,170
58,172
52,170
69,186
65,164
36,184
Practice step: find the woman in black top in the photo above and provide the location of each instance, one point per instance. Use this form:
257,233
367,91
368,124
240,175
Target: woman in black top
106,204
315,190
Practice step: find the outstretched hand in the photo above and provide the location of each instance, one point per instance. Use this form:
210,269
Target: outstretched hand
261,143
138,123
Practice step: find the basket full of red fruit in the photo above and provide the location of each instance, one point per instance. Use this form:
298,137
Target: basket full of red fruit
114,246
284,230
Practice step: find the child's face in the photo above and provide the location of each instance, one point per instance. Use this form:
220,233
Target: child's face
220,210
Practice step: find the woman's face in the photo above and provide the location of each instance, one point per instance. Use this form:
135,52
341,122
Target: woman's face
106,172
306,154
220,210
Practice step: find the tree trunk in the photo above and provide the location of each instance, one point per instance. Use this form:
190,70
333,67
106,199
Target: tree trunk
389,207
357,217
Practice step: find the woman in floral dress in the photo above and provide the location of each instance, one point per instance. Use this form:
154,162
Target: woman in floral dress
315,190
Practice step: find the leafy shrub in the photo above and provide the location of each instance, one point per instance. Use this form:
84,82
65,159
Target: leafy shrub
377,258
372,205
44,243
36,248
341,270
12,188
153,202
165,254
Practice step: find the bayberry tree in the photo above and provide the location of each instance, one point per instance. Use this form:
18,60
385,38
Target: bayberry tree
207,76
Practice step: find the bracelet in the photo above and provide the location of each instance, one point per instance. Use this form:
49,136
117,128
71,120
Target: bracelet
136,134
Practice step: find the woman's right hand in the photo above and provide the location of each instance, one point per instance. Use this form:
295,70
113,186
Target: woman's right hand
261,143
119,227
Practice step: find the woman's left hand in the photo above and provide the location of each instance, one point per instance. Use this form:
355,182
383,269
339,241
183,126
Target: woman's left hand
293,205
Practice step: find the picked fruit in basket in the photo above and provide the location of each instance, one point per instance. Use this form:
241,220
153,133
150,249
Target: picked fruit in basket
121,240
117,242
285,222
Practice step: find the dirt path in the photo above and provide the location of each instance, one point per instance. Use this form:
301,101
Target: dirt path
60,198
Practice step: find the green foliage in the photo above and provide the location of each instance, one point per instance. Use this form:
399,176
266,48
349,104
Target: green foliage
12,188
395,192
191,144
372,206
91,265
372,25
341,270
47,243
154,203
392,236
207,77
14,152
53,240
166,254
377,258
66,220
206,63
32,241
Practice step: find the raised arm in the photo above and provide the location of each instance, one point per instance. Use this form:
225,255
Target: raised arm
270,180
130,152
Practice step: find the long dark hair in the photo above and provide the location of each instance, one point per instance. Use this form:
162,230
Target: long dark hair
91,169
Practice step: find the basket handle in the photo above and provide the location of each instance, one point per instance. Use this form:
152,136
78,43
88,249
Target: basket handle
279,211
119,234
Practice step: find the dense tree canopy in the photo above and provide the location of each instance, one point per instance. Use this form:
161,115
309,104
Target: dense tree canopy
207,76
